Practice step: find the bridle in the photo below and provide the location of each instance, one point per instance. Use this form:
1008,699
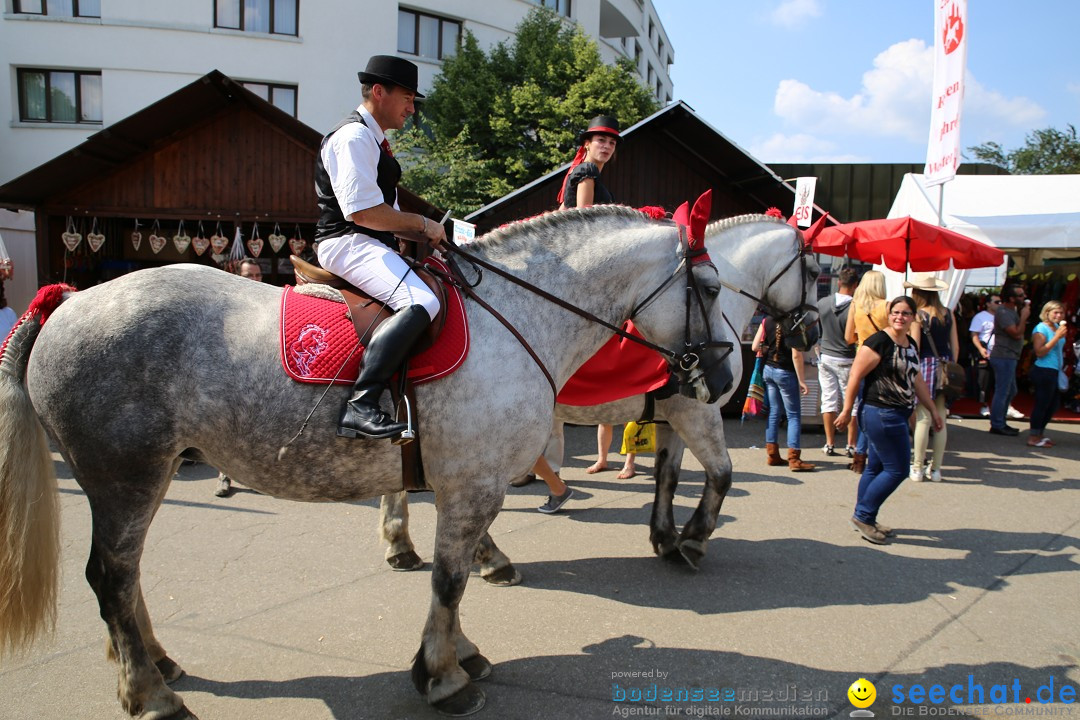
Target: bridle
688,361
799,313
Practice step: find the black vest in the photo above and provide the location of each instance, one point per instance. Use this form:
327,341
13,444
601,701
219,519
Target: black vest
332,222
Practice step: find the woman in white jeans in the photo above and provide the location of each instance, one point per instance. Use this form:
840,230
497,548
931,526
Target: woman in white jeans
934,330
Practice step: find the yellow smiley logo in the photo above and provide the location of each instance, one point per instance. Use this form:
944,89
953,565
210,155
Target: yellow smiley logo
862,693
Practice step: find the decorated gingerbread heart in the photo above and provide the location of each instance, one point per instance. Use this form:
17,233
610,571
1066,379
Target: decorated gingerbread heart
219,243
157,242
255,245
276,240
297,245
136,239
95,241
71,240
200,244
181,242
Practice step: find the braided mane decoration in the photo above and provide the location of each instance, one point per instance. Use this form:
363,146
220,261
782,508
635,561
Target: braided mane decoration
725,223
503,235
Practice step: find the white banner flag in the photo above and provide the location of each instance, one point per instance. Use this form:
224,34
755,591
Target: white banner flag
950,57
804,200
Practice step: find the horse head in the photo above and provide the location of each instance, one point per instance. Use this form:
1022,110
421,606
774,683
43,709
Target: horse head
778,261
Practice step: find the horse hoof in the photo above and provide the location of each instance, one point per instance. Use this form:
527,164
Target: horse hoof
478,667
170,671
673,556
406,561
506,576
465,701
182,714
692,552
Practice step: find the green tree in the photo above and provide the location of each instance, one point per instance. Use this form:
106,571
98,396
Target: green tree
497,120
1045,152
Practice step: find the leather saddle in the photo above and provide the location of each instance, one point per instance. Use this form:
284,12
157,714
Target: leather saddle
368,313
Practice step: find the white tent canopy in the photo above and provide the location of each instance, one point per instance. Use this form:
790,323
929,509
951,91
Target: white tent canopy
1030,217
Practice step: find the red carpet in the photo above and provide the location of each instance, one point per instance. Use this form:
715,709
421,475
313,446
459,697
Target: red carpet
966,407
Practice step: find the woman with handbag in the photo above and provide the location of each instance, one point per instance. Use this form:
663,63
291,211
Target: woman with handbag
889,363
784,382
934,330
1047,376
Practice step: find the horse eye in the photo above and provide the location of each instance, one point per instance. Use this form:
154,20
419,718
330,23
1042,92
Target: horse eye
712,291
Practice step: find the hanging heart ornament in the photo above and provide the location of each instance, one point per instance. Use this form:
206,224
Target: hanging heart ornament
297,245
219,243
255,245
71,240
276,240
136,239
95,241
181,242
157,242
200,244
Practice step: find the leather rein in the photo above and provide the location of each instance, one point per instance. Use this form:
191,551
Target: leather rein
687,361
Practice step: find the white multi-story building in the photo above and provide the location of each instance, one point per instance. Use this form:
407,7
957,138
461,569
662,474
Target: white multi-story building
73,67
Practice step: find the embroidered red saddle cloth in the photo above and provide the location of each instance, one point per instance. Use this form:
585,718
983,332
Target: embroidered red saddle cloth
317,336
620,369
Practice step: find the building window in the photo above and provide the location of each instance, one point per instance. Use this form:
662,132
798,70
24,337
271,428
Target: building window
428,36
561,7
59,96
275,17
660,48
282,97
59,8
637,55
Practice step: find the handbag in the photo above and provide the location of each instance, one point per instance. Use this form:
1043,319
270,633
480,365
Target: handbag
951,378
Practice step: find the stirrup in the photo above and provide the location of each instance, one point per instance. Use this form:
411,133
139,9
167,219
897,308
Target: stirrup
409,433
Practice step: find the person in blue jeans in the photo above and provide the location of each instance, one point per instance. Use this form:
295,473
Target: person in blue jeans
1010,321
889,362
783,375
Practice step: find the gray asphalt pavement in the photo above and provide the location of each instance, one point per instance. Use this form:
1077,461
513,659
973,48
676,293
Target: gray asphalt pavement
284,610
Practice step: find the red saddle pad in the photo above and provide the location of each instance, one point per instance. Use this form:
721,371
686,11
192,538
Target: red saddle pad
319,343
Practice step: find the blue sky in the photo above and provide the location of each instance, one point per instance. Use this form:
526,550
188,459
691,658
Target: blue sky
849,80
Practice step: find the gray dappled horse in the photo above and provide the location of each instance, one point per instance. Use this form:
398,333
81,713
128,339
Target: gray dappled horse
134,375
758,254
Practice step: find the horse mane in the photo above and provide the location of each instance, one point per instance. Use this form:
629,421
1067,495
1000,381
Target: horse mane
725,223
512,235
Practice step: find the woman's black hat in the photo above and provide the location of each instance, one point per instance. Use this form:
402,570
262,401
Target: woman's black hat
603,125
390,70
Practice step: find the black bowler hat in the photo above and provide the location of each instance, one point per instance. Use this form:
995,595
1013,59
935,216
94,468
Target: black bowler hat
602,125
390,70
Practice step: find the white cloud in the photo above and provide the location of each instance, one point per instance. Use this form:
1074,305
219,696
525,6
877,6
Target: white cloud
792,13
894,101
801,148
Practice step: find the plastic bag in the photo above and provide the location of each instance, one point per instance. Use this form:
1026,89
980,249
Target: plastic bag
638,438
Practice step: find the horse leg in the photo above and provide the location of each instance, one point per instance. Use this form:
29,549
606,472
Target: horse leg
439,666
112,570
703,522
394,529
703,427
170,671
495,566
669,454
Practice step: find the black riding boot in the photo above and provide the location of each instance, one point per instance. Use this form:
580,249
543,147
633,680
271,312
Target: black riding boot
361,415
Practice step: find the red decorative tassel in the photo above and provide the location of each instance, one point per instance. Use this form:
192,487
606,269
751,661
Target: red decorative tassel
47,300
578,158
654,211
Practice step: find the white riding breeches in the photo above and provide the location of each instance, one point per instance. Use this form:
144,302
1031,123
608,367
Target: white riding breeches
377,270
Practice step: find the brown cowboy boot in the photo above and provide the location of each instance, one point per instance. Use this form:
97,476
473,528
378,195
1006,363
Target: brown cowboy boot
795,464
858,463
773,451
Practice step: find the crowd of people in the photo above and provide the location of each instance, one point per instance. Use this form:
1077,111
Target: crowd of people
883,371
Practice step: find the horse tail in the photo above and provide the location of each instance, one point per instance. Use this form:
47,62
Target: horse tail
29,506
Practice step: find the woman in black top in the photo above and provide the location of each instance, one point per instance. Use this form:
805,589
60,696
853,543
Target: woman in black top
582,186
889,362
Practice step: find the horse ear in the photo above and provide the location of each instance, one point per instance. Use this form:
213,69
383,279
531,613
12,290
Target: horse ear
699,218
